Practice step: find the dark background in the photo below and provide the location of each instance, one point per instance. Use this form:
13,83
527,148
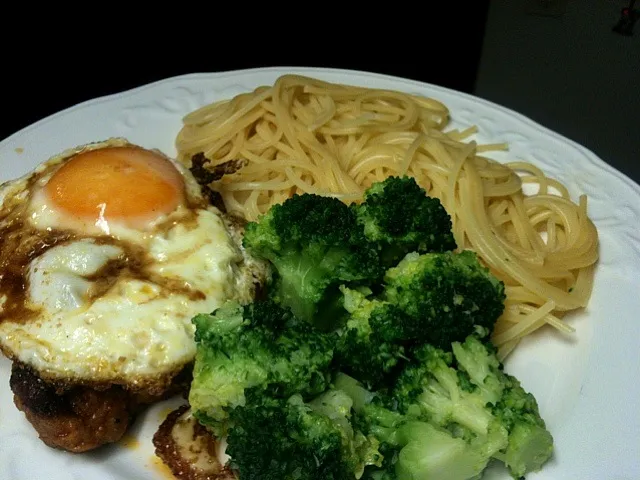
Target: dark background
555,61
55,71
568,70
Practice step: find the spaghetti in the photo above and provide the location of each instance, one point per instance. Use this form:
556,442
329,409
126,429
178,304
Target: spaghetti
306,135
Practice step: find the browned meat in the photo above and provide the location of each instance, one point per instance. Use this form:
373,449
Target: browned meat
77,418
188,449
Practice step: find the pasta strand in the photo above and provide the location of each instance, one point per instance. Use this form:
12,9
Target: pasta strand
306,135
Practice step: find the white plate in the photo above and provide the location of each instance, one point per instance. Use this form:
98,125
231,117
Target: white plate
588,386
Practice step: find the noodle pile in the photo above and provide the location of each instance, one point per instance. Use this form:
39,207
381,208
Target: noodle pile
306,135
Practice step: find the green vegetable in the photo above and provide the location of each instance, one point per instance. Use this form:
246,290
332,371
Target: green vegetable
437,298
364,350
287,439
530,443
450,295
399,217
260,346
431,389
430,452
415,448
467,394
449,414
370,357
315,245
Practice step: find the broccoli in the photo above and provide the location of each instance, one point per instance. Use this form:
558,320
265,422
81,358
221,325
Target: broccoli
431,452
411,446
451,294
449,414
370,356
434,389
429,427
376,339
260,346
429,298
363,350
399,217
315,245
423,451
467,393
414,448
530,443
282,439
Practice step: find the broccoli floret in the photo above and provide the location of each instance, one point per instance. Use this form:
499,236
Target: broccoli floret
282,439
378,419
414,448
338,406
467,393
451,294
377,337
362,350
423,451
530,443
431,389
399,217
436,429
431,453
479,362
260,346
315,245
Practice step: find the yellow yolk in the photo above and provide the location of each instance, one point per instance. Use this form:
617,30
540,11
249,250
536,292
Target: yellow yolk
116,183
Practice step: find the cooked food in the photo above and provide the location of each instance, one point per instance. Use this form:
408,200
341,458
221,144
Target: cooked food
434,298
450,413
403,384
317,243
189,449
303,135
107,252
79,418
260,347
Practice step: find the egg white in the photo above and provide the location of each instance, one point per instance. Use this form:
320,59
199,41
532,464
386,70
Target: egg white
93,324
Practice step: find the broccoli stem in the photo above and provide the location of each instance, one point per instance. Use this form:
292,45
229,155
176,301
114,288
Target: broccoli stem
433,454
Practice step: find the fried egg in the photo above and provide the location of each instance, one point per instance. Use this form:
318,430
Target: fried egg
107,251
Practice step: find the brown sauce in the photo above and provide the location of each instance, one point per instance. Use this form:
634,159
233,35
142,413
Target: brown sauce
21,243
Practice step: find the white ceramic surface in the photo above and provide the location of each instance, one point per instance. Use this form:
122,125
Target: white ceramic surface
587,385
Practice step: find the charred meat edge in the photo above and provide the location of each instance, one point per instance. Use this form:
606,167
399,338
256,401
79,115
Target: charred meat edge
79,418
169,450
205,174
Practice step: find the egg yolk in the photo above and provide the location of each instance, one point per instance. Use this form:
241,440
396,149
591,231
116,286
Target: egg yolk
116,183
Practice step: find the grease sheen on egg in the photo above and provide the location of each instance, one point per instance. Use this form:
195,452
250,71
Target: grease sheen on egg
117,251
